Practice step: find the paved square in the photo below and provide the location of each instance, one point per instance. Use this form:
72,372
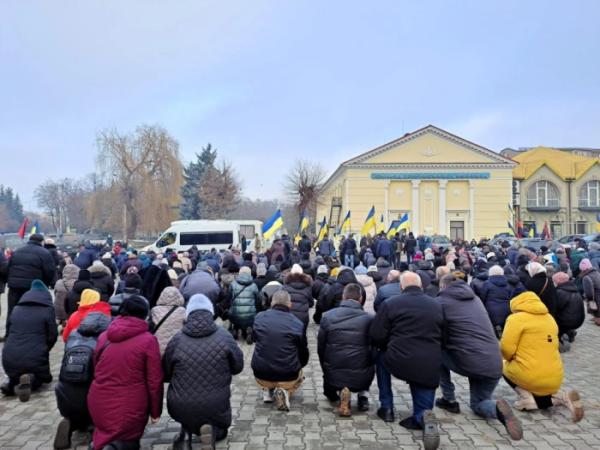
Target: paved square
311,423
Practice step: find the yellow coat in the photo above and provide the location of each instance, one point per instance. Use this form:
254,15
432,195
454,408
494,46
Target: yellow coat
530,346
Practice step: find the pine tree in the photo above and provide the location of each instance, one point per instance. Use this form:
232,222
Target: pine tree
190,207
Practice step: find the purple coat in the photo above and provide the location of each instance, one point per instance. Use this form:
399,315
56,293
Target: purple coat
127,386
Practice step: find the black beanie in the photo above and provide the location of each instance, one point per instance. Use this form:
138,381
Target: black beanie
84,275
133,280
134,306
522,260
37,237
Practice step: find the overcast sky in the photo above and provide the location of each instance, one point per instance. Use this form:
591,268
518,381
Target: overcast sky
267,82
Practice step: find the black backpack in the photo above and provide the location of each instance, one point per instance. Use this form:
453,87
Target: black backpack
77,365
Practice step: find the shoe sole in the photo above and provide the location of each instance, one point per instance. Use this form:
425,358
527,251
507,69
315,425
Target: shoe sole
206,437
511,423
575,405
344,409
62,440
431,434
24,388
280,400
448,408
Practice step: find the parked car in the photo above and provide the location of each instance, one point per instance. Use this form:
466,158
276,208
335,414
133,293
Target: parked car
537,243
568,241
594,237
440,243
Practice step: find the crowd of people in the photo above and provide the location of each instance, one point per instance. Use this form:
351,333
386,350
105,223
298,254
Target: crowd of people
132,322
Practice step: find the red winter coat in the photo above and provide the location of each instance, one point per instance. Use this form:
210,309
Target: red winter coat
127,386
78,316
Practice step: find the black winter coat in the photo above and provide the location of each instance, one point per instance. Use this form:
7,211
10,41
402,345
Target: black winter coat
281,349
333,297
74,295
304,246
71,398
544,288
496,295
86,257
570,310
478,281
387,291
410,246
199,363
155,280
378,279
28,263
319,283
3,271
409,328
32,332
102,280
344,347
299,286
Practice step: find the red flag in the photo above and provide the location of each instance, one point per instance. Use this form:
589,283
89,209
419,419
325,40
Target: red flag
23,228
546,234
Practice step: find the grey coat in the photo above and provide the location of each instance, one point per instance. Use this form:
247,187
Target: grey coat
169,298
469,336
62,288
200,282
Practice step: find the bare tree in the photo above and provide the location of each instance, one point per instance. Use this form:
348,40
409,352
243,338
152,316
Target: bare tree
219,191
145,168
303,185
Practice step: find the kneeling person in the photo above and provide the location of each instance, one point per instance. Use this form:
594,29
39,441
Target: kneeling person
281,351
345,351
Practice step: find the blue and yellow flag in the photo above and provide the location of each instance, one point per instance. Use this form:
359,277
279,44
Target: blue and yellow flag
272,225
401,225
324,230
345,226
532,231
511,229
304,222
381,227
369,222
598,223
35,228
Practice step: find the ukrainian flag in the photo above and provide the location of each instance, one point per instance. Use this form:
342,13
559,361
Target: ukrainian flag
35,228
511,229
381,227
402,225
598,223
272,225
324,230
345,223
369,222
304,222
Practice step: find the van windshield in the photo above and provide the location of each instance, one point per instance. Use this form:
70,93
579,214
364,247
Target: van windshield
208,238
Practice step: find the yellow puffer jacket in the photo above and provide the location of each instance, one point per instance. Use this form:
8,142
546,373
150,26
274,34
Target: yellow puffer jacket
530,346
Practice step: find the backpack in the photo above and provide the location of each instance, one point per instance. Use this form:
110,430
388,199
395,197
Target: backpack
77,365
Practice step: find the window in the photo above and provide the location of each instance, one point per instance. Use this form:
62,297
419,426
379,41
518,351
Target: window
556,229
248,231
580,228
166,239
216,238
588,195
543,194
457,229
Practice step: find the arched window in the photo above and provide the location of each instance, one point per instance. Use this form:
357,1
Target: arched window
589,195
543,194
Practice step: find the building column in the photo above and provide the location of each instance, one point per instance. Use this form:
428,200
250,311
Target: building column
442,206
386,195
414,220
472,209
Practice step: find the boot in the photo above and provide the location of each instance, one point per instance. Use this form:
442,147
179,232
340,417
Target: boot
249,336
344,409
62,439
526,401
509,420
282,399
206,437
571,400
179,440
23,389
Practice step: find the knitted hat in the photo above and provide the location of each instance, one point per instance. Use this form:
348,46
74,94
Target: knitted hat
585,264
107,255
199,302
418,257
560,278
133,280
49,241
89,297
429,256
360,270
37,237
245,269
135,306
296,268
490,255
172,274
372,269
261,270
322,269
38,285
84,275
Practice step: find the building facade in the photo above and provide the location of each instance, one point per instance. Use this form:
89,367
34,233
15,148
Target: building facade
559,188
446,184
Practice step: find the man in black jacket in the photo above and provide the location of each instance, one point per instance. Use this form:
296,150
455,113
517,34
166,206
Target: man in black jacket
28,263
345,351
280,352
408,331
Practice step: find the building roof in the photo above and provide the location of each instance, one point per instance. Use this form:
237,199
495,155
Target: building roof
566,165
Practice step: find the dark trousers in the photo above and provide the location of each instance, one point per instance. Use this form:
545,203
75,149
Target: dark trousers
14,295
542,402
384,382
422,398
409,257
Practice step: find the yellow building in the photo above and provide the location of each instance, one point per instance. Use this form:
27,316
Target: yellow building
560,188
446,184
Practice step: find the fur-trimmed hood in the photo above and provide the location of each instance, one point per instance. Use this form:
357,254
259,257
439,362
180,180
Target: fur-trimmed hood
96,269
298,278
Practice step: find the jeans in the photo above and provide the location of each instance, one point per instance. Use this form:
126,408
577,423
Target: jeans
349,261
384,382
422,399
480,389
409,257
